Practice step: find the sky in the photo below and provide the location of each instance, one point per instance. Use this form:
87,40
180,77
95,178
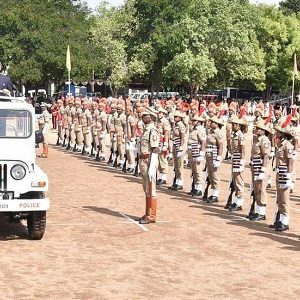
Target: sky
94,3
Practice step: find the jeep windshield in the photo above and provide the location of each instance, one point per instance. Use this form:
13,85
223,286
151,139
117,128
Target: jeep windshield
15,123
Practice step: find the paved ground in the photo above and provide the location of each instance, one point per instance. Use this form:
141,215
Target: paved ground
93,250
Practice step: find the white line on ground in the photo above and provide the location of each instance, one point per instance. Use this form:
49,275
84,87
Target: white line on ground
134,222
127,222
236,218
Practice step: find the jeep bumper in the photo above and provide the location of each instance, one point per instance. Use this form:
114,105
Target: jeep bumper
20,205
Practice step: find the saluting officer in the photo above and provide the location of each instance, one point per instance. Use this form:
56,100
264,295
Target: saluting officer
148,162
214,152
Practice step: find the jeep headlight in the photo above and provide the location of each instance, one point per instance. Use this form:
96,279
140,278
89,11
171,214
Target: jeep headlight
18,172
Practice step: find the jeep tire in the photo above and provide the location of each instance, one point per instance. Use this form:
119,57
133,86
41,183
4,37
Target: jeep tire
36,220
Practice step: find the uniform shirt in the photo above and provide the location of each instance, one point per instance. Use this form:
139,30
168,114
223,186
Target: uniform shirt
179,132
214,137
163,126
44,119
78,118
237,140
284,152
131,127
261,146
197,135
119,122
149,139
101,120
86,118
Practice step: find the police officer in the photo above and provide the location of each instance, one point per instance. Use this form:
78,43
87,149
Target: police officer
164,128
284,168
44,126
196,150
148,162
179,149
237,147
260,152
214,152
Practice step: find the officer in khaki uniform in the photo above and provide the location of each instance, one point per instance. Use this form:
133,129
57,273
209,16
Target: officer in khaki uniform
71,127
164,128
148,162
86,127
214,152
120,127
237,147
94,113
112,133
130,139
260,152
196,151
284,168
179,149
101,125
78,126
44,127
60,120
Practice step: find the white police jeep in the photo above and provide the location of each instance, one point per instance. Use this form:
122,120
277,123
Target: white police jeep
22,183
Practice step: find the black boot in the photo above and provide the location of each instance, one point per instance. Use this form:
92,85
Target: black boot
257,217
234,207
276,220
212,199
281,227
160,182
197,193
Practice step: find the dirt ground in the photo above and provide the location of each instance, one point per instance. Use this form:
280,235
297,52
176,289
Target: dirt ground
92,248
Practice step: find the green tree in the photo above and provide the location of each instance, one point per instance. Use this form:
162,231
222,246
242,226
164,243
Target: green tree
290,6
34,35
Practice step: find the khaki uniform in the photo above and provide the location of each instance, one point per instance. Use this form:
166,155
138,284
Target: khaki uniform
44,125
164,128
179,150
119,127
101,122
94,129
213,142
130,141
284,152
261,147
197,137
237,142
71,125
78,128
60,124
149,141
86,129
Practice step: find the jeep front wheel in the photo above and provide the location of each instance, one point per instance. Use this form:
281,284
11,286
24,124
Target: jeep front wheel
36,224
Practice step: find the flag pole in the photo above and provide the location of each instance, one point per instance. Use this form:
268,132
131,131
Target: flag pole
69,79
293,89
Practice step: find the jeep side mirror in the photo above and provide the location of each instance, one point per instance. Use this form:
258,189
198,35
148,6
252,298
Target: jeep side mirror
38,137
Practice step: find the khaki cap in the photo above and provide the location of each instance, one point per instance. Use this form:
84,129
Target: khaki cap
217,120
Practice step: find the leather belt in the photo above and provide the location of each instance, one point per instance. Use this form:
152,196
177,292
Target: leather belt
144,156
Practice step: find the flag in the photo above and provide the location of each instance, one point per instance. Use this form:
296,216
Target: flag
68,59
295,65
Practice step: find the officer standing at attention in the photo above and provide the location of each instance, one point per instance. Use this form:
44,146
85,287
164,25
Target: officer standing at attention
260,152
179,148
164,128
284,168
44,126
148,163
214,152
237,147
196,150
